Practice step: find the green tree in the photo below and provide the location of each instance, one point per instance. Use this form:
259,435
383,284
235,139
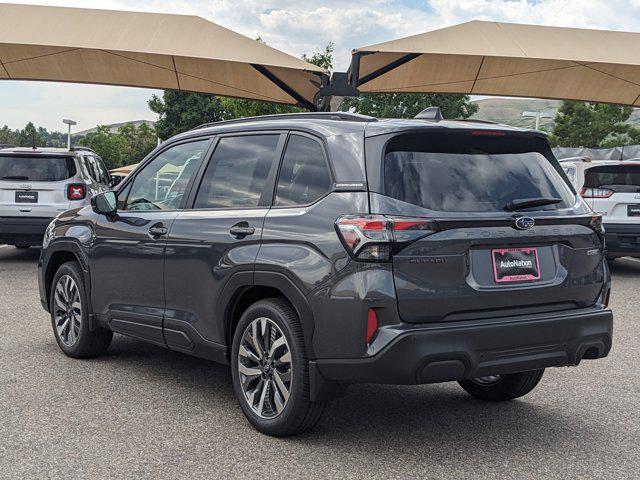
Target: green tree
408,105
181,111
29,136
128,145
323,58
8,136
590,125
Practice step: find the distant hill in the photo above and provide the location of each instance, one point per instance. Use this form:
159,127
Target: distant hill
509,111
114,127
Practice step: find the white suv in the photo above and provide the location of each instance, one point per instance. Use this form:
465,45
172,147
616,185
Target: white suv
38,184
612,189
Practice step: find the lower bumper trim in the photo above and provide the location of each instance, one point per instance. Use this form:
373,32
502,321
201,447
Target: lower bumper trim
432,354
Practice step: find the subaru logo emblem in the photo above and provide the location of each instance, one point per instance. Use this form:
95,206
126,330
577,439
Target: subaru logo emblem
524,223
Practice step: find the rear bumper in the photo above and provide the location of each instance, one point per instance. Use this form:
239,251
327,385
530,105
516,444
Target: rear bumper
622,239
23,230
419,354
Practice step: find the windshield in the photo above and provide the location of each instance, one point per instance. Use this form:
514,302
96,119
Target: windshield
36,169
472,181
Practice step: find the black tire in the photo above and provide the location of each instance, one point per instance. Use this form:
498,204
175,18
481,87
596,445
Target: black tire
507,387
300,414
88,343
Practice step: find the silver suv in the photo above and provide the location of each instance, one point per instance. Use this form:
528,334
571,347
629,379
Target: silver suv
38,184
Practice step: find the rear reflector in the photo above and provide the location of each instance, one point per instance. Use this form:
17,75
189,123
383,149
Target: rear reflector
372,324
76,191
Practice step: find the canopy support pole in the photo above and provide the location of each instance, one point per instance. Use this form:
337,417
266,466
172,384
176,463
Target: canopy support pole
303,102
387,68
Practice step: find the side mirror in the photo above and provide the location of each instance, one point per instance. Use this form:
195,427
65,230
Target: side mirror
105,203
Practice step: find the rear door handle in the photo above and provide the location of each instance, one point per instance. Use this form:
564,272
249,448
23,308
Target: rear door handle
157,231
242,231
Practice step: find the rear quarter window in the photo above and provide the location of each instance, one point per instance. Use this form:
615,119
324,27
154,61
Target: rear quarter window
469,175
36,169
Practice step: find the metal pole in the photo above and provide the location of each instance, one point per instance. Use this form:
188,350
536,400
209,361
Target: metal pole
66,121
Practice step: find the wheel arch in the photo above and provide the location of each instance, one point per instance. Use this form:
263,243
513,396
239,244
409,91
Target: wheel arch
263,285
57,254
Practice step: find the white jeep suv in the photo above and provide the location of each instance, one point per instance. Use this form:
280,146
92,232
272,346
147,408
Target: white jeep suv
612,189
38,184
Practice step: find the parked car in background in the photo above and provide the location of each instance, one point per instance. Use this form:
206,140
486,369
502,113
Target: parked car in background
311,251
612,189
120,173
38,184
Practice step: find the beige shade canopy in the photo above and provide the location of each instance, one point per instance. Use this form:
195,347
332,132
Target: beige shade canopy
503,59
149,50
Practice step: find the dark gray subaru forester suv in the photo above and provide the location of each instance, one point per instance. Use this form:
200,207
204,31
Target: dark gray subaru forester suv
311,251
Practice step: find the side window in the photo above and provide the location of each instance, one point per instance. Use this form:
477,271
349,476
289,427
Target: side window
161,184
103,173
571,173
96,169
122,197
89,167
304,175
237,173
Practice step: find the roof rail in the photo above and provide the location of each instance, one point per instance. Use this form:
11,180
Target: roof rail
576,159
341,116
80,148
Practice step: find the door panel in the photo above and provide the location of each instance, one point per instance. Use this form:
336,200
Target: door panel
127,267
127,259
220,237
201,257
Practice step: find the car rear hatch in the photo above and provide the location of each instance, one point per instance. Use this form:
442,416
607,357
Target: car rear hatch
505,233
34,185
614,191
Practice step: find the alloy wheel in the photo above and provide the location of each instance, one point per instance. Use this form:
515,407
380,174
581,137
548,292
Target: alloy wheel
67,310
265,368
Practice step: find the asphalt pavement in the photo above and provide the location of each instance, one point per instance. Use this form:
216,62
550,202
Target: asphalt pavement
144,412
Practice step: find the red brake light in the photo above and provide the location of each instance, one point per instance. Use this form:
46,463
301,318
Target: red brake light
375,237
372,324
488,133
596,193
76,191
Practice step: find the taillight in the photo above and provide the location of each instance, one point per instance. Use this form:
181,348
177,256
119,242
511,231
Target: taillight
488,133
596,193
607,298
76,191
378,237
372,325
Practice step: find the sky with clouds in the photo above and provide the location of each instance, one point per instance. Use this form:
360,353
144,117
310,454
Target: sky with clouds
296,27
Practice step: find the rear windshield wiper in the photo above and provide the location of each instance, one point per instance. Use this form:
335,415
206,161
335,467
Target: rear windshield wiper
521,203
15,177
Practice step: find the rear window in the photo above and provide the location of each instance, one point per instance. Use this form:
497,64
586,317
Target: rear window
36,169
469,175
618,178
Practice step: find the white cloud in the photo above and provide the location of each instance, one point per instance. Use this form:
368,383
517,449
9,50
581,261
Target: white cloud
297,27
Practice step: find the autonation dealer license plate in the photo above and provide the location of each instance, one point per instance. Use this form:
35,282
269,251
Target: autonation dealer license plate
515,265
26,197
